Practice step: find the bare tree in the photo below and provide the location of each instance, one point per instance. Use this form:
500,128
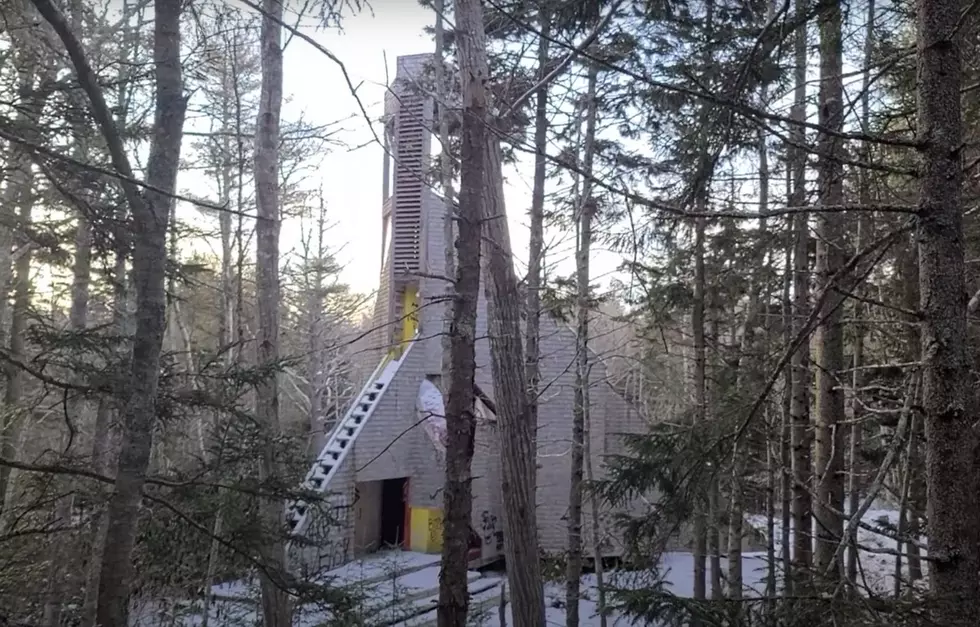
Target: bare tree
150,213
584,209
275,603
536,240
861,228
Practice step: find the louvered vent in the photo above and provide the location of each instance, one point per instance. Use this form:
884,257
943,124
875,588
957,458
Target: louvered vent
411,138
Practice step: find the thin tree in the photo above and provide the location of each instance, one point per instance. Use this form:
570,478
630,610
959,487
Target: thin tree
865,198
275,603
460,416
150,210
584,209
535,260
446,182
799,364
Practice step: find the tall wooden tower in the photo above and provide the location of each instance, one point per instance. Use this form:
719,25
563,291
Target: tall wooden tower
408,115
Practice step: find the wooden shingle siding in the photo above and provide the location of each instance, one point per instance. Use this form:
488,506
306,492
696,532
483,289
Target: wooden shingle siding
392,443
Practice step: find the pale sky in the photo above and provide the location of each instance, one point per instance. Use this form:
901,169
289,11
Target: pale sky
368,47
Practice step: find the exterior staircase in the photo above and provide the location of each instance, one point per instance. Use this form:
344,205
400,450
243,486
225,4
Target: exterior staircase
344,435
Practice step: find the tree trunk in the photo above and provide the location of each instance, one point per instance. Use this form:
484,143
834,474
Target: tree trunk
829,452
275,603
16,207
460,418
226,319
58,580
103,456
585,209
854,477
506,353
700,400
104,453
700,407
785,449
909,272
906,473
800,407
446,179
596,521
947,386
536,241
746,378
151,211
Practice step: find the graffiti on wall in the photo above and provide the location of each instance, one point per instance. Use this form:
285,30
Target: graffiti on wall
331,532
435,528
490,532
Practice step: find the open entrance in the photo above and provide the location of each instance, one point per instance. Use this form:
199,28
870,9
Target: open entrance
393,499
380,513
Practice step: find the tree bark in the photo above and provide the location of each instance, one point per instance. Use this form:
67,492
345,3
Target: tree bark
800,406
446,179
951,479
77,321
17,203
585,209
151,211
506,353
275,603
829,451
536,236
460,418
865,197
785,448
700,399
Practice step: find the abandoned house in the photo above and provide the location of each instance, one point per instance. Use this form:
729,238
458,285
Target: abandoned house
381,469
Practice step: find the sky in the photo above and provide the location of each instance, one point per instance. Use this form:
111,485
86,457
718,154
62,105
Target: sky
351,179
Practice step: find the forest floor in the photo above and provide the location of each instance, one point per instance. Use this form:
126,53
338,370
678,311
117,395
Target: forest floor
400,585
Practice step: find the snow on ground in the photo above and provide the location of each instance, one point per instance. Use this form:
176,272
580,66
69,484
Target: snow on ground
876,567
398,581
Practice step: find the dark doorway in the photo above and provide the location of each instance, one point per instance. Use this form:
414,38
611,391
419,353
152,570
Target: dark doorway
393,512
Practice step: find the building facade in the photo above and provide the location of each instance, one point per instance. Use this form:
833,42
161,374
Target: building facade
382,470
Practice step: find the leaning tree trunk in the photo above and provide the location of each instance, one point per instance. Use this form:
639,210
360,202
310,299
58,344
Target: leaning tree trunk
460,418
151,211
585,209
275,603
829,336
948,396
506,352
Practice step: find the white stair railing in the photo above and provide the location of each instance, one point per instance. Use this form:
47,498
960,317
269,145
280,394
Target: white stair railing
342,439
